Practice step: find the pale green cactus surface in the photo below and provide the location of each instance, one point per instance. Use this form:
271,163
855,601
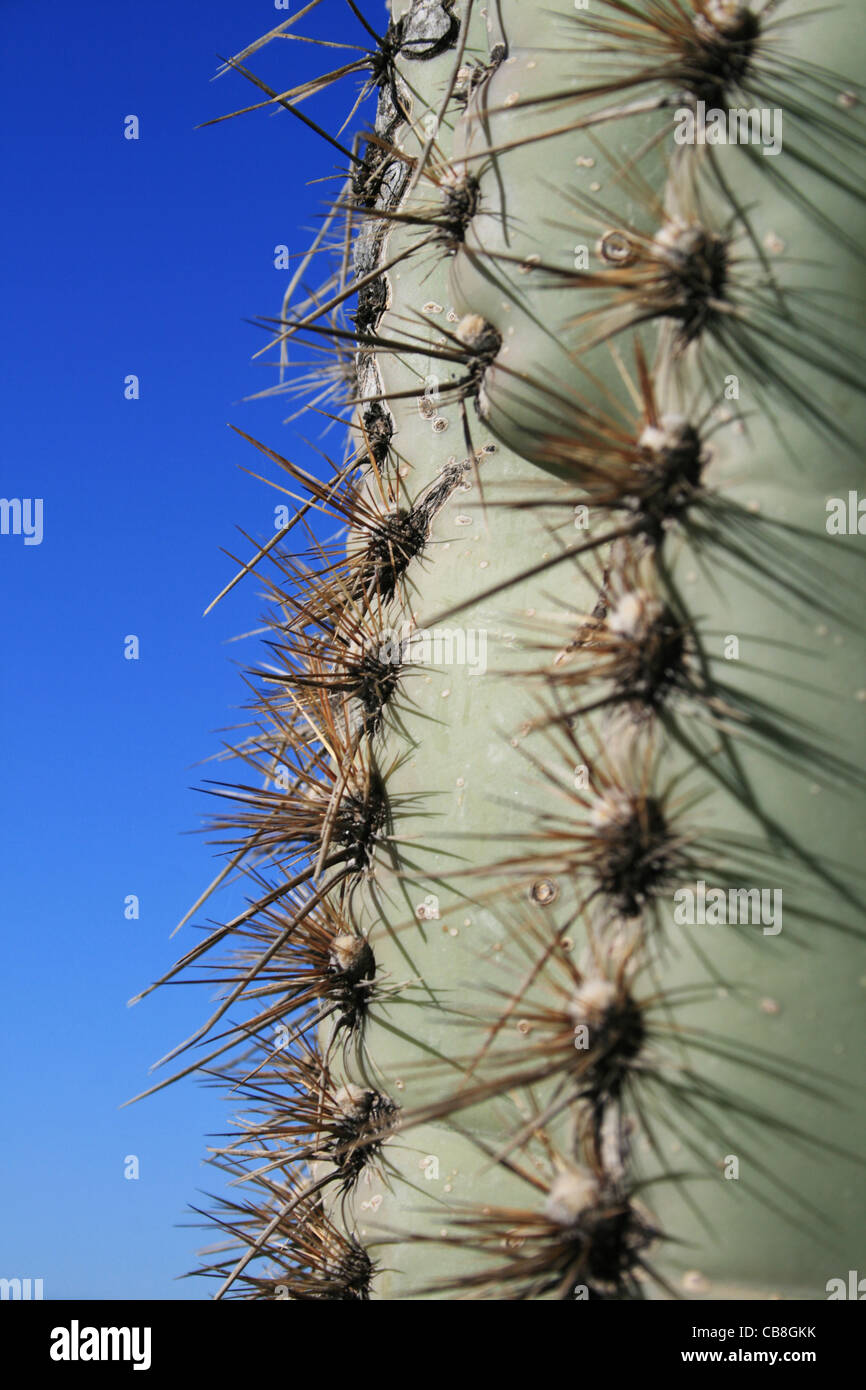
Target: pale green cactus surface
551,809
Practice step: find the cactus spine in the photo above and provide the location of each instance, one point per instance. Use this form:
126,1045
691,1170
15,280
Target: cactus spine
556,908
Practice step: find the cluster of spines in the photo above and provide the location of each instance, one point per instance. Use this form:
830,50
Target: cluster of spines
306,835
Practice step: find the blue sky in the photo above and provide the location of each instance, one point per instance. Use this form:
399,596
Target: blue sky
126,257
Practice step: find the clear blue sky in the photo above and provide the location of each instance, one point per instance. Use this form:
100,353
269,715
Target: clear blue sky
126,257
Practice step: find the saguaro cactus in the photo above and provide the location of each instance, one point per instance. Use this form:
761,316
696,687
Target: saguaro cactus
550,985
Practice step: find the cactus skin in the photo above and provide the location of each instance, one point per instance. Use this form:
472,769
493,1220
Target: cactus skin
517,862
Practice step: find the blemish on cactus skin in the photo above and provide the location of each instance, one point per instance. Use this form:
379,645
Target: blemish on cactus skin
616,248
695,1282
544,891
